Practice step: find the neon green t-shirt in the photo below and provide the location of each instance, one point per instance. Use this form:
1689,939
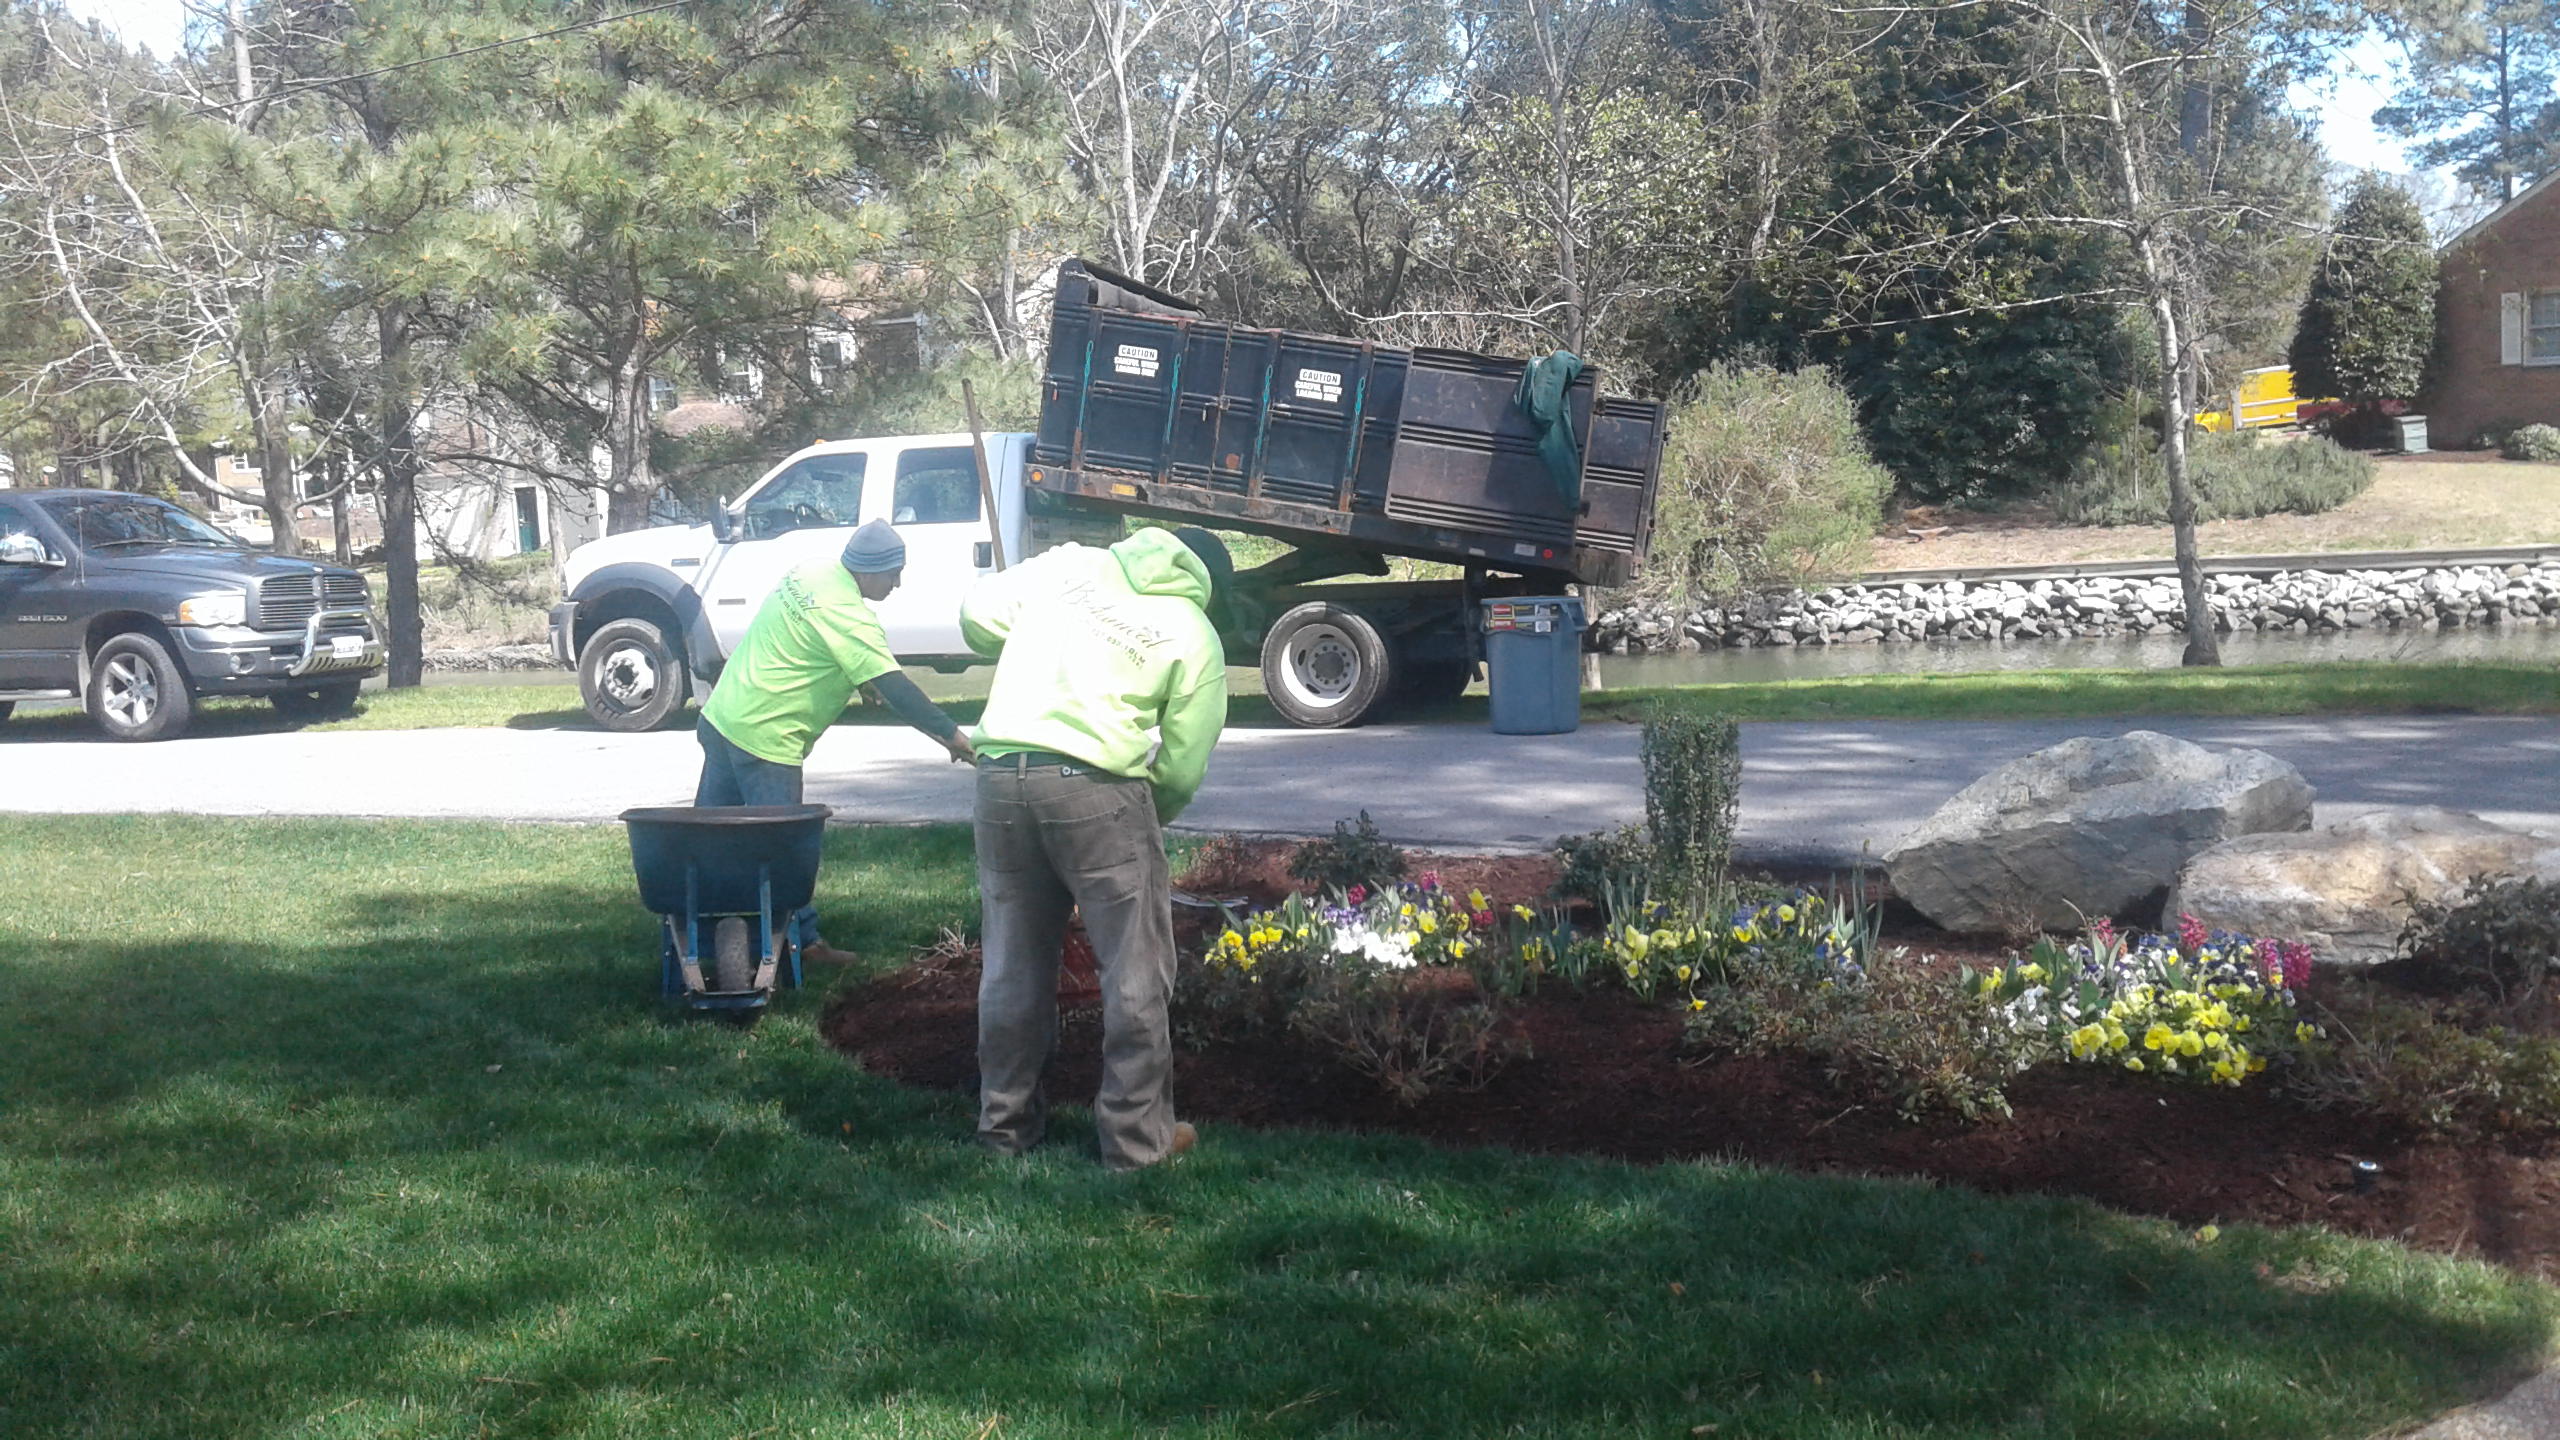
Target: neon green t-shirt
812,645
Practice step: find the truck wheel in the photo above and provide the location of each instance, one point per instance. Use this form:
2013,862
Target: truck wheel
631,676
733,961
318,702
136,692
1324,665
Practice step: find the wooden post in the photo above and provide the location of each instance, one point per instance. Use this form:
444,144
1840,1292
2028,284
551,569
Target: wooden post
986,480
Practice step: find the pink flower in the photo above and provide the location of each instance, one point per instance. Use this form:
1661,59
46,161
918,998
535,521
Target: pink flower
2296,958
1430,879
1483,919
2191,934
1358,894
2103,928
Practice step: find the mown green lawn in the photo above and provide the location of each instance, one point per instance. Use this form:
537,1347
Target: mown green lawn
2328,688
334,1129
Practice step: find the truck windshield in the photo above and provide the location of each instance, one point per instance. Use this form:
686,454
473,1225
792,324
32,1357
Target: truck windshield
102,523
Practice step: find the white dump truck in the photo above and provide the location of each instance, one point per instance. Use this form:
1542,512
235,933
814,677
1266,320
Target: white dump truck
1347,452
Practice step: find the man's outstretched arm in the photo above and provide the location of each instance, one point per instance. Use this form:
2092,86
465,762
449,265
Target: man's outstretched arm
908,703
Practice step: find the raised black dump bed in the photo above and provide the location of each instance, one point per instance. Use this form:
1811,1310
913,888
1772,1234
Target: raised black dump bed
1149,406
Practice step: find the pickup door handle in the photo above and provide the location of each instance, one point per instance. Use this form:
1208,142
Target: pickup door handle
983,554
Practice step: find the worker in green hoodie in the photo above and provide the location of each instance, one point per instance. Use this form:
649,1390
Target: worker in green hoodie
1109,693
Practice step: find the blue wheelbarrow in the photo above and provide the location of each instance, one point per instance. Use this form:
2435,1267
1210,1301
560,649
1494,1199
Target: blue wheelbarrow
725,880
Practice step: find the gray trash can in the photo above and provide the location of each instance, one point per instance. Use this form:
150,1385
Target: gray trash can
1533,664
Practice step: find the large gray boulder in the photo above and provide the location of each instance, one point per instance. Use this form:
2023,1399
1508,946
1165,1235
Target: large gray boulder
2090,827
2346,890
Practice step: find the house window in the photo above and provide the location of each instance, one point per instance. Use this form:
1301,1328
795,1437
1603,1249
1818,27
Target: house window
2542,328
662,395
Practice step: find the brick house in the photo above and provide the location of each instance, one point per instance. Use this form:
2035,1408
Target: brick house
2498,322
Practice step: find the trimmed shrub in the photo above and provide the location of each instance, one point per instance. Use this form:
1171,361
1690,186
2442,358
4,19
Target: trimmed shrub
1692,794
2538,443
2236,476
1766,483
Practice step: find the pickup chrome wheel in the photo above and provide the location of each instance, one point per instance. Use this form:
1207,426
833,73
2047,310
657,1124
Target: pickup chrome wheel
631,676
1324,665
136,692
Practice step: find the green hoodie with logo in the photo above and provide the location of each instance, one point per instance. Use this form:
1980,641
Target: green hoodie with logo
1101,655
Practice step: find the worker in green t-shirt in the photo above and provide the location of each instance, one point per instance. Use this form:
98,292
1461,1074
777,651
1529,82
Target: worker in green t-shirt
815,642
1110,691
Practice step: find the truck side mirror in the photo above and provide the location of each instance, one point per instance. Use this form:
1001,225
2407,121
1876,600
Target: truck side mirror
724,526
25,550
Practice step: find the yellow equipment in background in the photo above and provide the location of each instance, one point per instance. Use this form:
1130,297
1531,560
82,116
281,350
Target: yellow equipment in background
2265,398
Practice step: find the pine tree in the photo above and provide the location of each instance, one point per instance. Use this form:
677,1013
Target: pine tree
2369,321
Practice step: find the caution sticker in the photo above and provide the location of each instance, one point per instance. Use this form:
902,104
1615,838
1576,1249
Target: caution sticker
1137,360
1324,385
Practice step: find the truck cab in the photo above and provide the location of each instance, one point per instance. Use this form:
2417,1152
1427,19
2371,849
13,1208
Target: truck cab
651,616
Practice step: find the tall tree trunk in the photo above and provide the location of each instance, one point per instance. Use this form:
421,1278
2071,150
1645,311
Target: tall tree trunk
629,486
275,471
2204,646
407,640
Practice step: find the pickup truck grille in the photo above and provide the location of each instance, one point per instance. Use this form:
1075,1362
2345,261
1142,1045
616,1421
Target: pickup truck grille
285,602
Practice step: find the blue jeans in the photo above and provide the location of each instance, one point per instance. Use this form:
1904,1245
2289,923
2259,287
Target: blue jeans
731,776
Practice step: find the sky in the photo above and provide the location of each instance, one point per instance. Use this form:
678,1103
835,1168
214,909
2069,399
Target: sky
2357,85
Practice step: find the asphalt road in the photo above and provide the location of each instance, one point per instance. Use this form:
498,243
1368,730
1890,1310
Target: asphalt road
1811,791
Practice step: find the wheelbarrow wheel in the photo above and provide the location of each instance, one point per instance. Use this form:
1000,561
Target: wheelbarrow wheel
733,958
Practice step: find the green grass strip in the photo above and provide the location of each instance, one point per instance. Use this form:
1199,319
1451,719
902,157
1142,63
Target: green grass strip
333,1129
2329,688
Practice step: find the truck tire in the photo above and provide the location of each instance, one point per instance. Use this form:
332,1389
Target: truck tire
334,701
631,676
1325,665
733,961
136,692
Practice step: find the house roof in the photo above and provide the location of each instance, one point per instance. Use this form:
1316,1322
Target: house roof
2494,217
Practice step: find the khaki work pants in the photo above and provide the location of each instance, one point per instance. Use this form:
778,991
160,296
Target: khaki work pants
1050,842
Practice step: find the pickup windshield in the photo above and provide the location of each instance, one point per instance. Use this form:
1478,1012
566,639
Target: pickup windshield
99,524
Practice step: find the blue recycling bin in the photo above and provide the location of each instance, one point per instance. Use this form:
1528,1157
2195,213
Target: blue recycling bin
1533,664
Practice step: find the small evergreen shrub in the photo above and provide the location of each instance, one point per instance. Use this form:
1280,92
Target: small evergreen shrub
2236,477
2423,1067
2501,940
2537,443
1692,794
1592,867
1899,1035
1355,854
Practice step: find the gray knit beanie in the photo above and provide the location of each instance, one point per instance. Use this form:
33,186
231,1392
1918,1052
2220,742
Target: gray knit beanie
875,549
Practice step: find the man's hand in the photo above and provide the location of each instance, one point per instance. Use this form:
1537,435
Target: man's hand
960,747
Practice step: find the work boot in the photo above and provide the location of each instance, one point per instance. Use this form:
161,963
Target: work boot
819,952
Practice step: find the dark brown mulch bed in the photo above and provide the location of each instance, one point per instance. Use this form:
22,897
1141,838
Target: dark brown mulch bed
1607,1077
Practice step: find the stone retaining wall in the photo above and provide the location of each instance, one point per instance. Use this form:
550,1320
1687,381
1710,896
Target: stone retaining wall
2308,601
